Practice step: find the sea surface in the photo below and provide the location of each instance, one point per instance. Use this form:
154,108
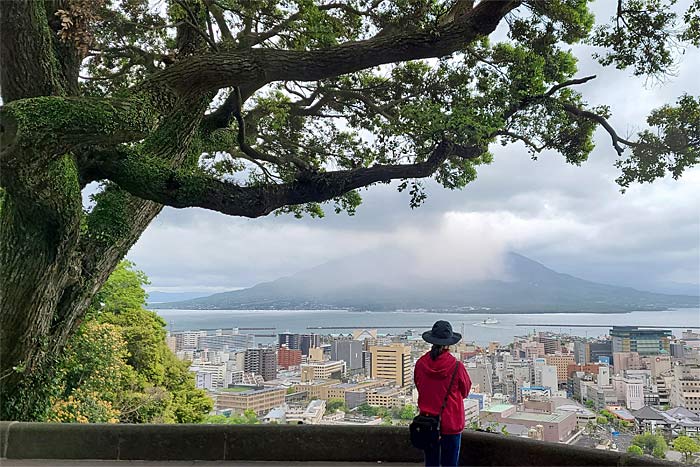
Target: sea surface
337,321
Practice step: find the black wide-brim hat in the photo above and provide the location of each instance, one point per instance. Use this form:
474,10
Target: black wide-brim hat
442,334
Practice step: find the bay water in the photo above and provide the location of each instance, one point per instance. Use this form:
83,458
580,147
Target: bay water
470,324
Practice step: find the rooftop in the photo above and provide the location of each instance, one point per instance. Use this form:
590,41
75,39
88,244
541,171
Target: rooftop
498,408
236,389
555,417
248,390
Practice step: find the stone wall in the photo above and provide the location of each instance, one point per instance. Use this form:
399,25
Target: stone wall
280,443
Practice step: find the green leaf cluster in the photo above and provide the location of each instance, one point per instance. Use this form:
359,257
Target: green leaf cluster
118,368
686,445
651,444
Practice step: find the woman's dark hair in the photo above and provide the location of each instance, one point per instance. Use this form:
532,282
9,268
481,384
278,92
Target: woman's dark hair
436,350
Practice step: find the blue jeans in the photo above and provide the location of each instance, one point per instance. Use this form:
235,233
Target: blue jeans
445,454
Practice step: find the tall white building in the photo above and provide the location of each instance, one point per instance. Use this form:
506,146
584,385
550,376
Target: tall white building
630,391
545,375
217,371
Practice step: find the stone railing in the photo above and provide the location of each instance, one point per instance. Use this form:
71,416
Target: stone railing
280,443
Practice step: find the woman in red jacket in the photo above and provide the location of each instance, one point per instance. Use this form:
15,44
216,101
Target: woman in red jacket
434,380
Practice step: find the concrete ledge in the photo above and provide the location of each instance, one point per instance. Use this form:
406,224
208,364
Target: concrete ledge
320,443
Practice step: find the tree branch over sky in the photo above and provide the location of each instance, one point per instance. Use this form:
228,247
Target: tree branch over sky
252,108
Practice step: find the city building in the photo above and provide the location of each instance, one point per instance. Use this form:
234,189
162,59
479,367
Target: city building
600,351
226,340
217,373
315,354
308,341
642,341
187,340
289,340
322,370
287,358
536,392
391,362
629,391
561,362
471,411
481,375
241,398
551,343
685,388
203,380
385,397
557,427
531,349
316,389
545,375
623,361
349,351
672,422
677,350
363,334
261,361
658,364
310,414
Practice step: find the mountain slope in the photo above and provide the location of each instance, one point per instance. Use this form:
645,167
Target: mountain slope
392,281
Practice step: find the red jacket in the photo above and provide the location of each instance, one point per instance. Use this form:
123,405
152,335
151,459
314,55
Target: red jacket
432,378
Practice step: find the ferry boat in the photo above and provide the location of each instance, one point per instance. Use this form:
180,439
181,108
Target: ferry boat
490,321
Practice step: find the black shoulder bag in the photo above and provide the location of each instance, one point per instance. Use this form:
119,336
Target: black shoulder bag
425,429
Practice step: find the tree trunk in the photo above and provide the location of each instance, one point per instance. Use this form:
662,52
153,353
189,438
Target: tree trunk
54,258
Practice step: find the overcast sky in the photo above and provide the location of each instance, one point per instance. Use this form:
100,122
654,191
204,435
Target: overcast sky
572,219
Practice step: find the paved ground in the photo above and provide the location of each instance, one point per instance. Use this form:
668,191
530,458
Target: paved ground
97,463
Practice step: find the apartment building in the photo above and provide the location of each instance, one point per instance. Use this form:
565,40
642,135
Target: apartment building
685,387
241,398
392,362
322,370
561,362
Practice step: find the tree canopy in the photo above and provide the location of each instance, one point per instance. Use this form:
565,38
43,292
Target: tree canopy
254,107
686,445
651,444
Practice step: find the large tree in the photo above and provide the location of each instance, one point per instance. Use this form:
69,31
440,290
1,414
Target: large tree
249,107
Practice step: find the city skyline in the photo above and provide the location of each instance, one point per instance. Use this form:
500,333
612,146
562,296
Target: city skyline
548,386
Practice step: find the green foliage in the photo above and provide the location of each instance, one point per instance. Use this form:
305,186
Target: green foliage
395,114
123,291
636,450
366,410
408,412
673,145
651,444
247,418
686,445
659,452
333,405
117,367
642,36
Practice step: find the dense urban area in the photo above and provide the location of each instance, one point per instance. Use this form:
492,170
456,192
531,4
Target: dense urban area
635,389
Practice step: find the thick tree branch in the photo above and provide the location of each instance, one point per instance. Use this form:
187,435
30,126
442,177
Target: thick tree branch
196,189
55,125
259,66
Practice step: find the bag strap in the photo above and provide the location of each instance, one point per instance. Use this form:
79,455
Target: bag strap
449,386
